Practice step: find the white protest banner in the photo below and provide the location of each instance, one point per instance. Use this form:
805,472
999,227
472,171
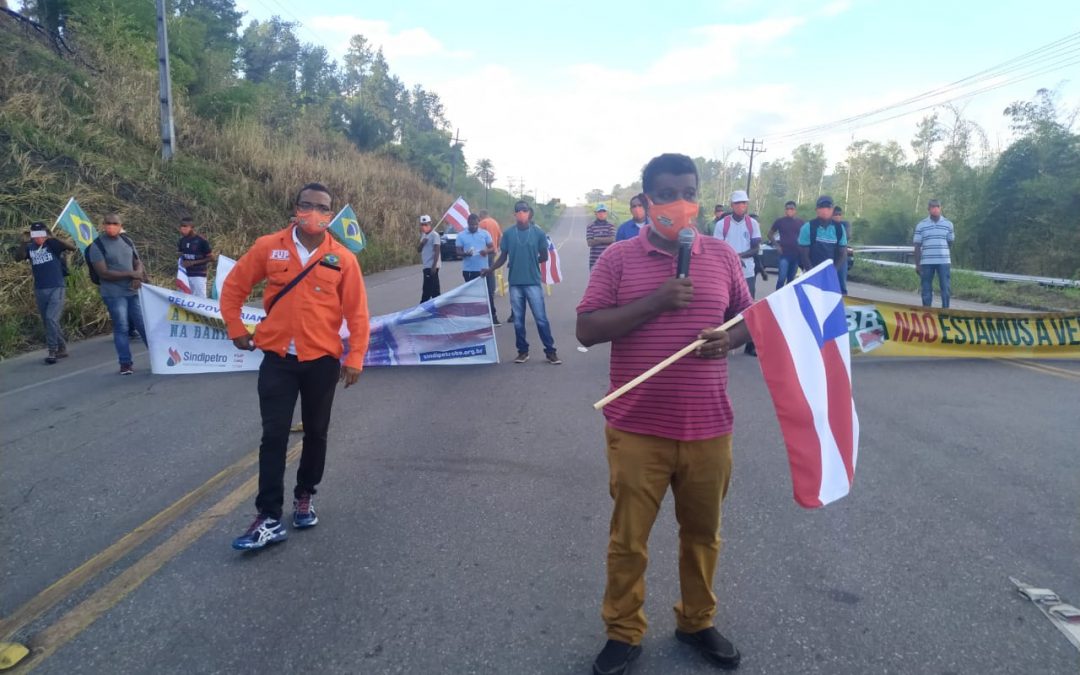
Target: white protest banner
187,335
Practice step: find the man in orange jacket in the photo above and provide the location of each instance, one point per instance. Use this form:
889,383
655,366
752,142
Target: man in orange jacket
313,283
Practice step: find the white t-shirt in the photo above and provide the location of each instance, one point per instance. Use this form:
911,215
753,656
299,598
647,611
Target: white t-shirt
305,256
739,239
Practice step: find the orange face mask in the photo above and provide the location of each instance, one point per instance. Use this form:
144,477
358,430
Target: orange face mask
670,219
313,222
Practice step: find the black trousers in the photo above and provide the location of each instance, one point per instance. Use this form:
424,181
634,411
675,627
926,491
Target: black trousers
469,276
281,380
431,284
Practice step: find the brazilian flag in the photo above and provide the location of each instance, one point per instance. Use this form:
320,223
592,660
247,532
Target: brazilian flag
76,223
347,230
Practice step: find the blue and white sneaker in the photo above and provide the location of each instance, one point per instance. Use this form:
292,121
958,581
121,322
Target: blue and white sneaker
264,530
304,515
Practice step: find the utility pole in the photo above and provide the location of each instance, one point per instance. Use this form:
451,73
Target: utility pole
453,158
168,132
756,147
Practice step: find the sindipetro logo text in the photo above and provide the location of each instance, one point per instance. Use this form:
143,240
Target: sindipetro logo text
200,358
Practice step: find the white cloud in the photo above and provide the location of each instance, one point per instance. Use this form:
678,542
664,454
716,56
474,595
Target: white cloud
710,52
592,126
836,7
407,43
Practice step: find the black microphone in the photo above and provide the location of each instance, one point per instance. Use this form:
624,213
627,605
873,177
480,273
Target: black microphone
686,240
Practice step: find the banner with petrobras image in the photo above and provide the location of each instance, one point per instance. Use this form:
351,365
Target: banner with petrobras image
451,330
889,329
187,335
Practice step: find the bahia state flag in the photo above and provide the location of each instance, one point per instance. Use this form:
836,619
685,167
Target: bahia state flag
458,214
550,269
183,282
801,335
77,224
347,230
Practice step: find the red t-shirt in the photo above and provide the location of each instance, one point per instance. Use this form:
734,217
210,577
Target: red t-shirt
688,400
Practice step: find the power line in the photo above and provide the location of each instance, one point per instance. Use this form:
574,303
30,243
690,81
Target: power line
1023,61
1041,59
757,147
855,125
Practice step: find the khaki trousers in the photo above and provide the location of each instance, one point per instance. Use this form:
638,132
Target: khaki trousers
642,467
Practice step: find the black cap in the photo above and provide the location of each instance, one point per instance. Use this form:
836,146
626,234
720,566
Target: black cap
837,211
824,201
521,205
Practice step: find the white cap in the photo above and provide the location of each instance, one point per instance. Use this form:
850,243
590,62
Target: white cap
739,196
425,219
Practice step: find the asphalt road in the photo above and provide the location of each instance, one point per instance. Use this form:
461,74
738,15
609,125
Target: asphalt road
464,519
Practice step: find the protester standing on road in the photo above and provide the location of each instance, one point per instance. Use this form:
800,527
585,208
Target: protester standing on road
47,264
313,283
675,428
638,218
491,226
784,235
120,271
743,233
525,246
599,234
473,246
821,239
932,238
430,250
195,256
838,220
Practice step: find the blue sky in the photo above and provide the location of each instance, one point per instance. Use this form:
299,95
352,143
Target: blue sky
577,95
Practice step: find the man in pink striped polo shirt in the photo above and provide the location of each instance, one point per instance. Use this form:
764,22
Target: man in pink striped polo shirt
675,428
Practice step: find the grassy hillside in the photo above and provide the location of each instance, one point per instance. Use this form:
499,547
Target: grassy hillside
86,125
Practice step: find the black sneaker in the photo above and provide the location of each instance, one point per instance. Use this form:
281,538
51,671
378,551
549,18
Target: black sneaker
750,349
496,321
522,357
553,358
51,358
615,658
127,369
714,646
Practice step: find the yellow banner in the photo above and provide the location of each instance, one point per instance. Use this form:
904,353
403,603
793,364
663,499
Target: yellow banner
887,329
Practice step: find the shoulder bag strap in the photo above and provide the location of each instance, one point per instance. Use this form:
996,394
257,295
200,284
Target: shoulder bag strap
292,284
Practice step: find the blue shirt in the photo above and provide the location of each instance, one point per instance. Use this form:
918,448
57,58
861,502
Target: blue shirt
629,230
478,241
46,263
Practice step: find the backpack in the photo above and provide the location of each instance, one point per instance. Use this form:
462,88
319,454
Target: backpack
749,226
101,246
813,236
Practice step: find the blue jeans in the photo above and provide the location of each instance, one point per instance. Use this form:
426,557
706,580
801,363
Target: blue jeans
126,313
535,296
842,273
789,266
927,278
50,302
